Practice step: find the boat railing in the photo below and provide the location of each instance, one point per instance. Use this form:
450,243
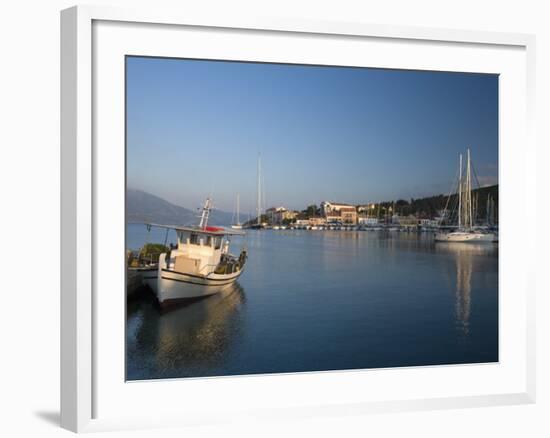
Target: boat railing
208,266
230,264
136,259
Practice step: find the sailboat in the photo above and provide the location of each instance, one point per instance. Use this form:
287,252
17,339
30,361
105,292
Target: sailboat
466,231
237,225
259,225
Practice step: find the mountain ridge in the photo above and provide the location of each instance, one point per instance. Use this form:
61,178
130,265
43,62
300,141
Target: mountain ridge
144,207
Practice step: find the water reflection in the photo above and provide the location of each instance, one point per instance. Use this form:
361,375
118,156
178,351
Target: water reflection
191,337
325,301
467,255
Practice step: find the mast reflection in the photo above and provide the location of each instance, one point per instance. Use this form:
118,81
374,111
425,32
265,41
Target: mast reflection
466,256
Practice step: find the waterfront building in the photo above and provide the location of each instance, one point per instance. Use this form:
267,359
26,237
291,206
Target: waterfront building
270,213
316,221
408,221
349,215
339,212
285,215
366,208
366,220
333,217
330,207
278,215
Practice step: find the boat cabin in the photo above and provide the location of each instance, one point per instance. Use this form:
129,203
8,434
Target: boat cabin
201,251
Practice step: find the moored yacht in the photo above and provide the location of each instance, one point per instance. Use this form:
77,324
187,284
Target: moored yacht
464,236
466,232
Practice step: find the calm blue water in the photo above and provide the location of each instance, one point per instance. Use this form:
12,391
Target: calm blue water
326,300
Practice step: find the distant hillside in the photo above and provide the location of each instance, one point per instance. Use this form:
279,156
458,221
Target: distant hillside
430,206
145,207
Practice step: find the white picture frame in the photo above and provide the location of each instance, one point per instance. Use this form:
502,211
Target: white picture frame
84,317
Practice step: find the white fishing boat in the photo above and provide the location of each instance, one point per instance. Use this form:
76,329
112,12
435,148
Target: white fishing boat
199,266
466,231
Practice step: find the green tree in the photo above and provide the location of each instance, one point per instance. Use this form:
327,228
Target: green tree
312,211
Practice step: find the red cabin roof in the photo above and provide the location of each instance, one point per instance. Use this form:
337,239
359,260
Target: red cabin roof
214,229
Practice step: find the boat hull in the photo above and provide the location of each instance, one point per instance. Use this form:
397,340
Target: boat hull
150,278
465,237
171,287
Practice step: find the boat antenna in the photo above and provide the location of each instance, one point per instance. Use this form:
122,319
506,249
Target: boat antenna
205,213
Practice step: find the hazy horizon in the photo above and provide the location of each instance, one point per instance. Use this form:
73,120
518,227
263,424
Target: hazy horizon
352,135
231,210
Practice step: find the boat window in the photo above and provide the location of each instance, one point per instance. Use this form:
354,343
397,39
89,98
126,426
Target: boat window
218,242
208,240
183,237
194,239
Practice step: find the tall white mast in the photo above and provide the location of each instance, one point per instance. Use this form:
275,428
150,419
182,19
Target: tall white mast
238,217
259,207
469,192
488,209
460,192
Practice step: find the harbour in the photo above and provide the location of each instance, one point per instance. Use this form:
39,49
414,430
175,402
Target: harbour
321,301
342,286
296,218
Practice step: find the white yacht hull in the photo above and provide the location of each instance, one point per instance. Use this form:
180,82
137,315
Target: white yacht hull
464,236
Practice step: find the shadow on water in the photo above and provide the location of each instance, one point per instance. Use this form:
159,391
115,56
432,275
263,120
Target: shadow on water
192,337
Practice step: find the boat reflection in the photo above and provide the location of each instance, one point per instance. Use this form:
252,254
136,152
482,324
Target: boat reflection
469,260
192,337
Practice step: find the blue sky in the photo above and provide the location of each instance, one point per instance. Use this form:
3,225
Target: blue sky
324,133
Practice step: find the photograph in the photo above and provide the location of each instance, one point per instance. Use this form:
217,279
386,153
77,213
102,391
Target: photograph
290,218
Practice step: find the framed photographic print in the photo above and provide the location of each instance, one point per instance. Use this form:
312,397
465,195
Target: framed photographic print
265,217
